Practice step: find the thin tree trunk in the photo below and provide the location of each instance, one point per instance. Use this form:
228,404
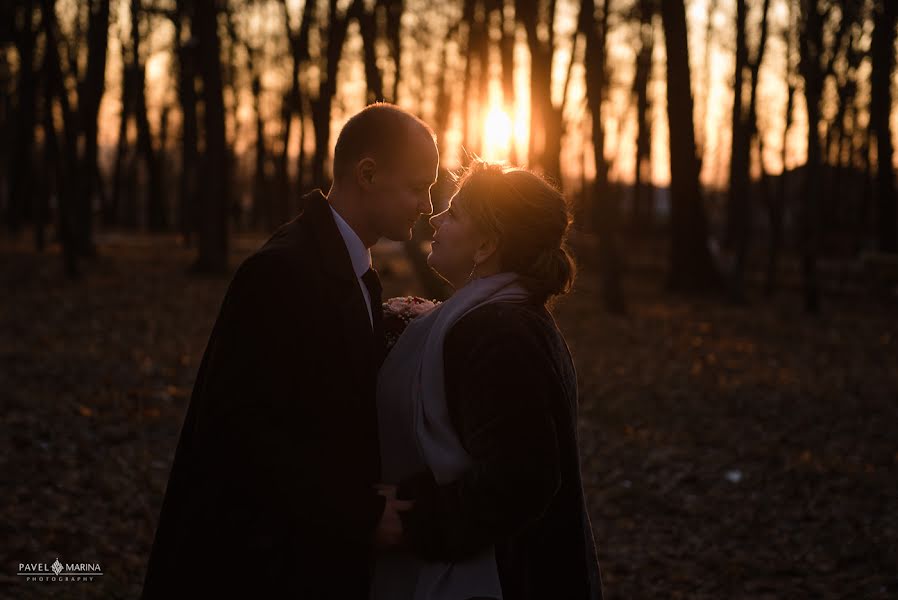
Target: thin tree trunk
321,106
260,181
740,175
643,211
67,182
465,48
811,36
187,56
90,94
691,266
777,205
737,200
155,207
119,209
886,15
506,52
368,28
213,231
20,167
604,209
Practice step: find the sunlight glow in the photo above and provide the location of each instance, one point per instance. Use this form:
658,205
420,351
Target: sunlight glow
497,130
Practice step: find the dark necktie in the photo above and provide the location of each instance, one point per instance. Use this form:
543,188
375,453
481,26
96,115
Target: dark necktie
375,292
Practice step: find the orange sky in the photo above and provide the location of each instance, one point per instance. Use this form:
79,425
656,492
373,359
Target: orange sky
262,24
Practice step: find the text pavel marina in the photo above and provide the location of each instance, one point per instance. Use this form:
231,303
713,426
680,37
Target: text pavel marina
58,571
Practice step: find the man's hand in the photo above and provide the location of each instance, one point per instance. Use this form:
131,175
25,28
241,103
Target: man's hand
389,531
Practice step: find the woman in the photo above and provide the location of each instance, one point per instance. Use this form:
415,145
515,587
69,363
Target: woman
477,408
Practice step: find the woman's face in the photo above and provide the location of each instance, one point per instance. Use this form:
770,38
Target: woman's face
456,245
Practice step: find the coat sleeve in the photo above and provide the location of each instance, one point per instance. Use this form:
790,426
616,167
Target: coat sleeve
500,386
258,425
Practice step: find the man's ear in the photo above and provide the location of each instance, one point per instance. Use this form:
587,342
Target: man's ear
365,172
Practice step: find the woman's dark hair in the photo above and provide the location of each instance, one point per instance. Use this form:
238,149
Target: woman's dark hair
530,218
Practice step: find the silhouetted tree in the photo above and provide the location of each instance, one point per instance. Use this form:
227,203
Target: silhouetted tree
293,102
20,166
90,93
744,127
335,34
155,207
604,207
815,64
186,55
67,158
776,202
546,119
883,53
213,225
643,189
691,266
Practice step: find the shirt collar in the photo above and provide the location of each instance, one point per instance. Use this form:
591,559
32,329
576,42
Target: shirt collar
358,253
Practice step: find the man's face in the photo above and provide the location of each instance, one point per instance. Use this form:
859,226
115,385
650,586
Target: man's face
401,190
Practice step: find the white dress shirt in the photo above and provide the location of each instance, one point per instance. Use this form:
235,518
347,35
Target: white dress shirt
358,254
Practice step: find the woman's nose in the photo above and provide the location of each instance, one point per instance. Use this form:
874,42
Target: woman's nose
426,208
435,220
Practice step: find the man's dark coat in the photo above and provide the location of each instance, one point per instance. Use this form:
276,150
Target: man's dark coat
270,493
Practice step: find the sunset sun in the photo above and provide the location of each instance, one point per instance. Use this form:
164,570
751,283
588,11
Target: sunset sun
497,129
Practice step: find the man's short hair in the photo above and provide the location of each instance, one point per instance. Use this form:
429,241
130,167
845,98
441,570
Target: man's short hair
379,130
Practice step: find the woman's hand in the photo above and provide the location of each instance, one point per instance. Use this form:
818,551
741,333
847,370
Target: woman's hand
388,533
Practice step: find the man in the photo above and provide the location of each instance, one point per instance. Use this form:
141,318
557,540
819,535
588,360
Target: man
272,491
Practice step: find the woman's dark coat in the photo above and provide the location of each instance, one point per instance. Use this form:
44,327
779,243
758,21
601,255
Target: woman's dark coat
511,390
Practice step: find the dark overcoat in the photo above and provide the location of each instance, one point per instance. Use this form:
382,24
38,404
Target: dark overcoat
511,390
270,493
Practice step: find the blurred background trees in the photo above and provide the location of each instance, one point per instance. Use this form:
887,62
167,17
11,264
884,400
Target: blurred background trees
731,141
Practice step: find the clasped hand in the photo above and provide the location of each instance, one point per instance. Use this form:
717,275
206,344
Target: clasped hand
389,530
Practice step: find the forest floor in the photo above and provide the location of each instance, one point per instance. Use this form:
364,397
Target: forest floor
728,451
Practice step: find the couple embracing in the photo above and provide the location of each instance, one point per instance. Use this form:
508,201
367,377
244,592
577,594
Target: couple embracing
314,462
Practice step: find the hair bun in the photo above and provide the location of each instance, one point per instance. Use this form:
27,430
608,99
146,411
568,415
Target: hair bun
531,218
552,272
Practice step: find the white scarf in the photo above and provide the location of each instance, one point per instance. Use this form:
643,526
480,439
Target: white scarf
416,432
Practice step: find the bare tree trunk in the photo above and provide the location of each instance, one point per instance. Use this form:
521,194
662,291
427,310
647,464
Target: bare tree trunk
886,15
368,29
156,214
444,97
643,210
604,208
811,38
691,266
187,183
67,180
737,201
833,200
51,184
741,213
213,231
262,203
293,101
546,125
20,167
321,106
777,205
123,207
90,93
506,51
